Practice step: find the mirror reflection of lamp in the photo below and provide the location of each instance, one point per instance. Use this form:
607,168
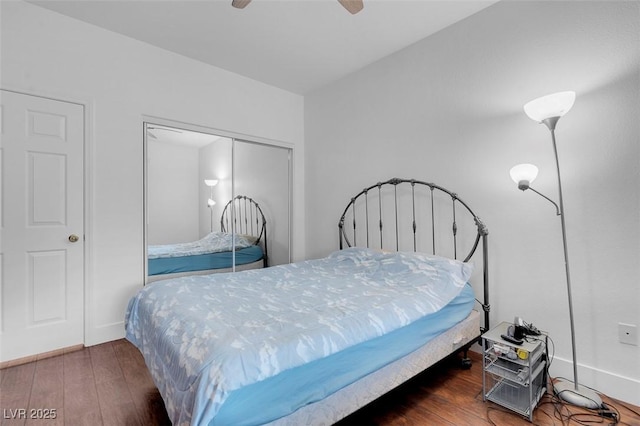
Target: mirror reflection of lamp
210,202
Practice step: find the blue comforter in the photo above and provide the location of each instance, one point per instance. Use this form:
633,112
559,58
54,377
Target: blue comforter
205,336
214,242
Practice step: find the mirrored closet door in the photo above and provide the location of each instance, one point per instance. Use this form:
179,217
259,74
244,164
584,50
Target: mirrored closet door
191,225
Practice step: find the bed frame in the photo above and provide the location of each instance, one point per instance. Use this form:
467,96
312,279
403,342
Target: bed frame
372,203
243,215
375,218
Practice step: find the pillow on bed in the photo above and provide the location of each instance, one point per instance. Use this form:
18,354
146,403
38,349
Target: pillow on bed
224,241
250,239
409,262
396,263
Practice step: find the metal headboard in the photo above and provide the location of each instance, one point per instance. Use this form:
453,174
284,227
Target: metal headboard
247,219
401,214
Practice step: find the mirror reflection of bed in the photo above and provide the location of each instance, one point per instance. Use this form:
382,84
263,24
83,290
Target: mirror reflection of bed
190,178
242,241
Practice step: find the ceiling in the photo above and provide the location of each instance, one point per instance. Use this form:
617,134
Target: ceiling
296,45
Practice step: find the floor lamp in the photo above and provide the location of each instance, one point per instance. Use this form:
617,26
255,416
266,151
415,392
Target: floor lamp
548,110
210,202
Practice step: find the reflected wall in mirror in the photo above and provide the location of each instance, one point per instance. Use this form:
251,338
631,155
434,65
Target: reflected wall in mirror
190,176
263,172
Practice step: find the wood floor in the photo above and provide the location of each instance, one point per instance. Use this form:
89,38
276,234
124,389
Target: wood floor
109,384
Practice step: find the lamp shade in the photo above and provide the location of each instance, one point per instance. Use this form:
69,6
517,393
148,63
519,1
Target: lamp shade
554,105
211,182
524,172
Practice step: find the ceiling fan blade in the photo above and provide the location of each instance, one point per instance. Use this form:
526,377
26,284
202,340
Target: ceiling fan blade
240,4
353,6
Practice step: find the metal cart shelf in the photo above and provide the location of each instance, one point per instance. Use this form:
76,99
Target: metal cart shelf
513,376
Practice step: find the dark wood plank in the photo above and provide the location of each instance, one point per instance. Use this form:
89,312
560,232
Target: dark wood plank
81,405
438,405
145,395
116,404
105,363
77,367
15,391
46,405
109,384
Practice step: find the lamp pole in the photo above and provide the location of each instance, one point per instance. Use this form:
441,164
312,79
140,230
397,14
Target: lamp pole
210,202
551,124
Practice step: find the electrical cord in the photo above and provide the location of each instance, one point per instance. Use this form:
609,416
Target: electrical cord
564,413
605,414
531,329
626,407
549,358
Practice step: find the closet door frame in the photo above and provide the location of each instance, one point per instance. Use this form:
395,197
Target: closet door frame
234,136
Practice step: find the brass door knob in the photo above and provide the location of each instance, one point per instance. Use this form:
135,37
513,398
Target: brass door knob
73,238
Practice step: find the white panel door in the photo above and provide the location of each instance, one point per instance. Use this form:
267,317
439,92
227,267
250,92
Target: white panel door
42,225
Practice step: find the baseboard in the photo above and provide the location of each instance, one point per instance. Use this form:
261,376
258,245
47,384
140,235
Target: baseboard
613,385
44,355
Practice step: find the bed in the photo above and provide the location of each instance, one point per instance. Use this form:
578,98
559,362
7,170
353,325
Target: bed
242,241
313,341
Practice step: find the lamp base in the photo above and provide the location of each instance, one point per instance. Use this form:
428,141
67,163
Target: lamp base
581,397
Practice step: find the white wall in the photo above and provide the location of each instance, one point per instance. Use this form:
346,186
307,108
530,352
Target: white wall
449,110
122,80
262,173
173,196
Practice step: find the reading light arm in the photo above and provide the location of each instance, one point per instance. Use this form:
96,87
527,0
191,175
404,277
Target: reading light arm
525,187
